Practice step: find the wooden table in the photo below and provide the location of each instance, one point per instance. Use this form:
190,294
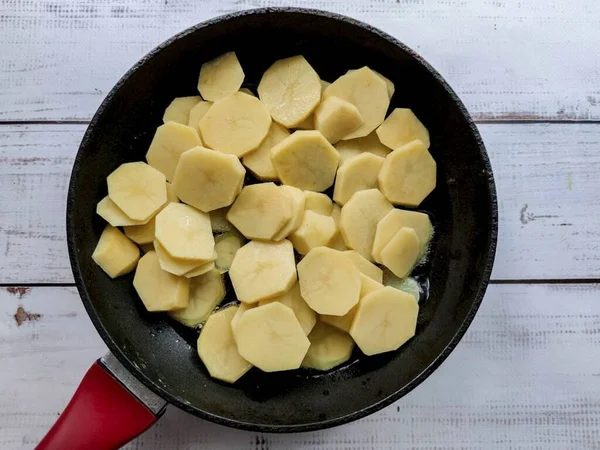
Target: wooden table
526,375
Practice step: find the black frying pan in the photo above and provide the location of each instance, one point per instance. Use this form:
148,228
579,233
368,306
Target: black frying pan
162,354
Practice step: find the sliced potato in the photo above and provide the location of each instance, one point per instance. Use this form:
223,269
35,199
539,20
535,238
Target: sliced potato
293,299
401,254
263,270
336,118
206,292
297,201
197,113
226,246
200,270
185,232
370,143
402,127
408,284
329,281
217,348
305,160
365,90
364,266
259,161
114,253
385,319
329,347
260,211
271,338
219,222
176,266
391,223
291,90
317,202
158,289
358,174
324,85
388,83
408,174
306,124
220,77
368,285
236,124
359,219
169,142
242,308
337,241
109,211
179,109
315,230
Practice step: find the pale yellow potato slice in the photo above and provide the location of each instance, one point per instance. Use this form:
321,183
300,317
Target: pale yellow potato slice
305,160
386,319
365,90
358,174
242,308
402,127
206,292
329,281
391,223
359,220
115,253
200,270
368,285
185,232
169,142
364,266
247,92
179,109
259,161
197,113
337,241
324,85
208,180
217,348
158,289
226,246
315,230
318,202
293,299
336,118
401,254
220,77
271,338
291,90
177,266
236,124
219,222
370,143
297,202
388,83
408,175
263,270
408,284
329,347
109,211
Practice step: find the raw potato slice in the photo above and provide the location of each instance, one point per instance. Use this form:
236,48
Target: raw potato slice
226,246
337,241
137,189
353,147
110,212
358,174
206,292
263,270
297,202
386,319
408,175
293,299
220,77
260,211
197,113
201,270
219,222
305,160
389,85
365,90
176,266
329,281
317,202
291,90
185,232
158,289
401,254
315,230
179,109
408,284
364,266
169,142
359,219
259,161
336,118
114,253
242,308
396,219
217,348
271,338
324,85
208,180
368,285
236,124
402,127
329,347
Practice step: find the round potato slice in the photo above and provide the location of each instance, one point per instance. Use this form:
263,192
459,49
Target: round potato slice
315,230
242,308
317,202
259,161
200,270
408,284
271,338
179,109
336,118
169,142
197,113
370,143
176,266
297,202
293,299
137,189
206,292
109,211
291,90
220,77
402,127
358,174
389,225
401,254
329,281
236,124
226,246
115,254
364,266
329,347
219,222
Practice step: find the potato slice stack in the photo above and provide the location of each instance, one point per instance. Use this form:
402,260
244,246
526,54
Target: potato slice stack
314,273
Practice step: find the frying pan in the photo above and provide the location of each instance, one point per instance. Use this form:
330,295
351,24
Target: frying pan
153,360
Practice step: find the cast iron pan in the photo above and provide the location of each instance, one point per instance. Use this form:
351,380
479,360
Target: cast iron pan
162,354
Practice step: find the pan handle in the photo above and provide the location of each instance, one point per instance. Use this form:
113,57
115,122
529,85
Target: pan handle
104,414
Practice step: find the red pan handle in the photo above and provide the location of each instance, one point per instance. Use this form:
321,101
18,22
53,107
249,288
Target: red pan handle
102,415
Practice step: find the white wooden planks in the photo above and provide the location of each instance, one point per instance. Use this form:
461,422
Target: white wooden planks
524,376
507,59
